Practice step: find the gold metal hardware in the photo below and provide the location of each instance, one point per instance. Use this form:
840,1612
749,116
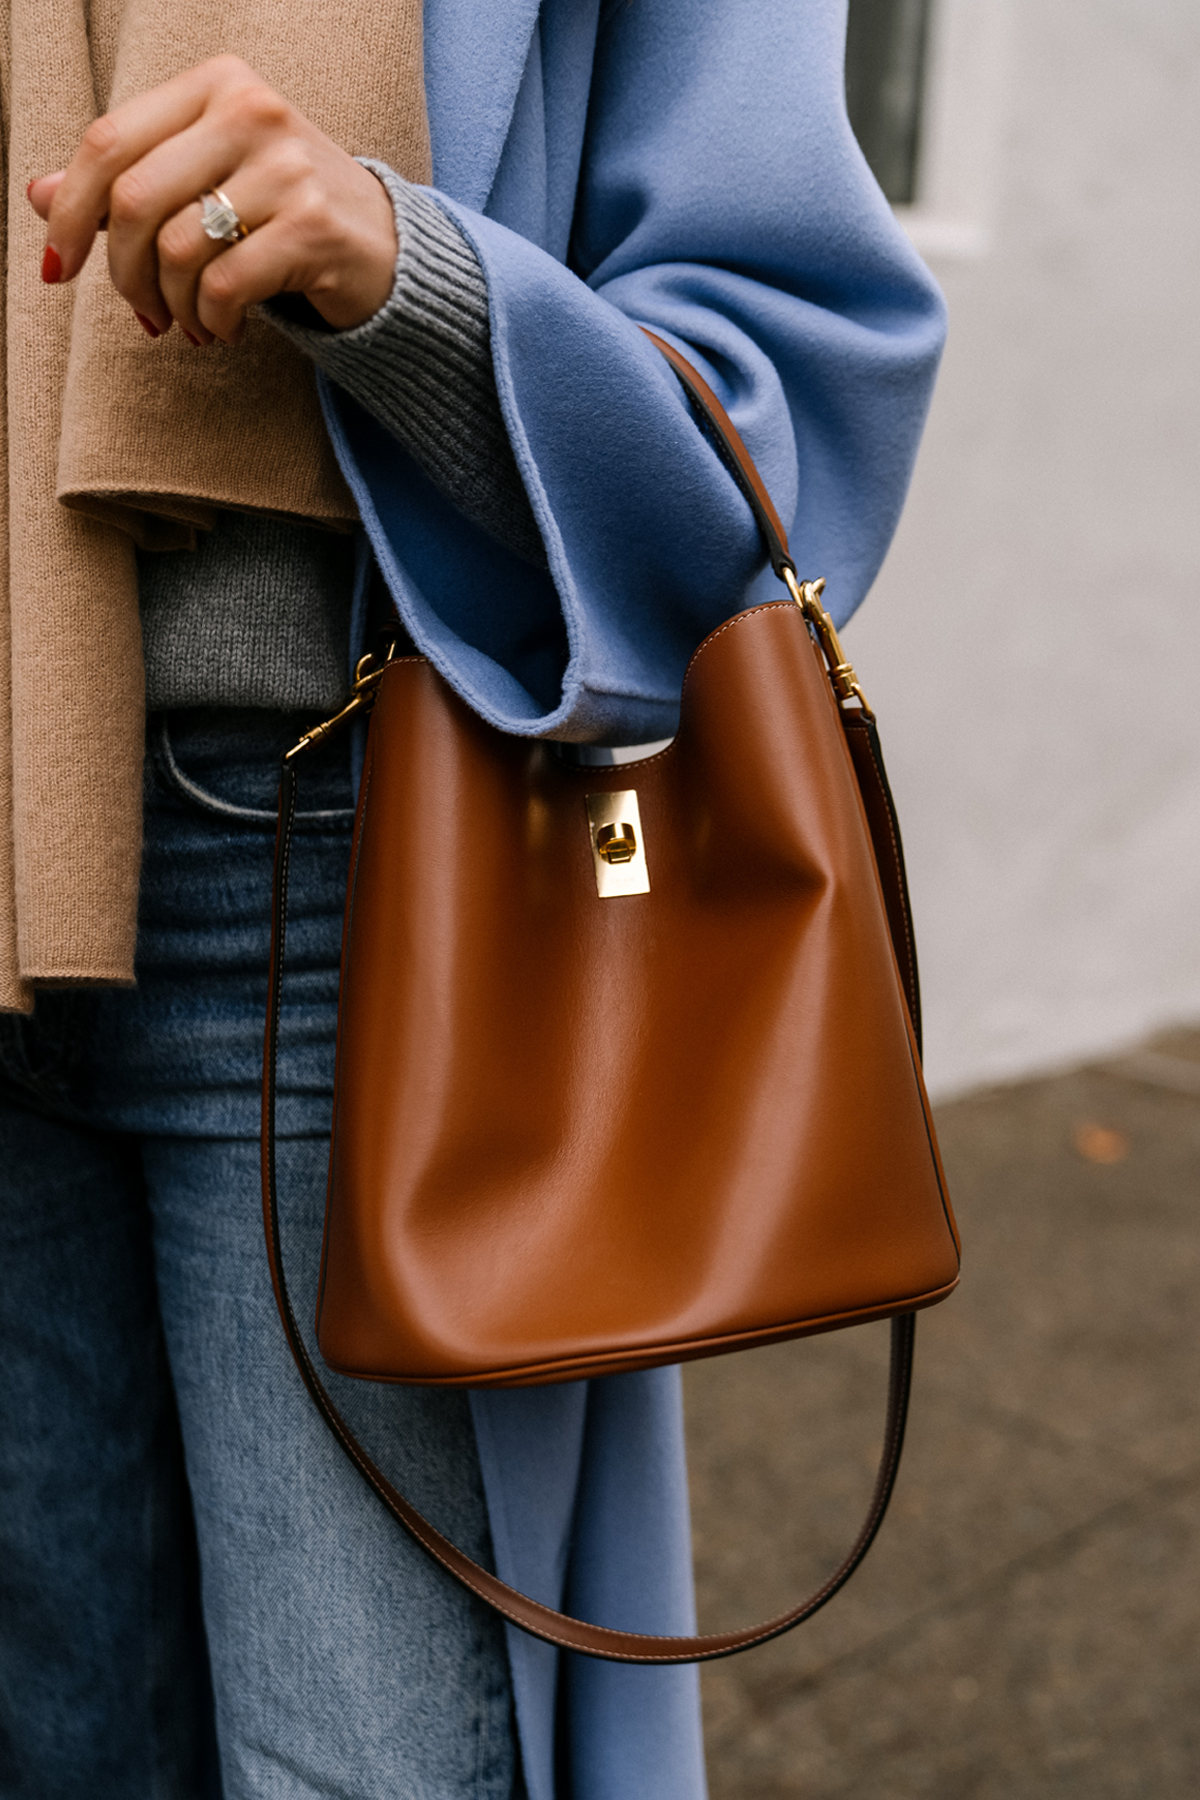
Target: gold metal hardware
368,672
618,847
807,595
617,843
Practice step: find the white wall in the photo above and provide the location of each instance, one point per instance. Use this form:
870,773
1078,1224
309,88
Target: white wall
1033,643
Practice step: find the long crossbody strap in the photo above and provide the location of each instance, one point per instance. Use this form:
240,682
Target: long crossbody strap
519,1609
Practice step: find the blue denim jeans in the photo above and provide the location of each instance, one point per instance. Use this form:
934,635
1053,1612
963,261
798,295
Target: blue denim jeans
197,1594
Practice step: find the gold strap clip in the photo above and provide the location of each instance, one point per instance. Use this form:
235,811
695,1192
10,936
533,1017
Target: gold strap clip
368,673
807,595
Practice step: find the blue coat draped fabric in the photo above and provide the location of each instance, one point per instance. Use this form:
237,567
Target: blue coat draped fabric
688,167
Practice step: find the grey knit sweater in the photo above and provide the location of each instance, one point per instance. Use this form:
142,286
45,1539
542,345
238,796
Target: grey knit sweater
259,613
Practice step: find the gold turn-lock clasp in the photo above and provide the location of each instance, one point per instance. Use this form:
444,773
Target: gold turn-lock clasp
617,843
618,846
807,595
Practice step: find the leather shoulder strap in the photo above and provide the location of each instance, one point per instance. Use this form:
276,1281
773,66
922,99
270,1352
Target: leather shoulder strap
733,453
866,753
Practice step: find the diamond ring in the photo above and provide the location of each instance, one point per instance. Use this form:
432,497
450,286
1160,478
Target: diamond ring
218,219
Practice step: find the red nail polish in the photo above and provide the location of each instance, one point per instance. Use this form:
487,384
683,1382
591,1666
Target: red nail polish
191,340
51,265
147,325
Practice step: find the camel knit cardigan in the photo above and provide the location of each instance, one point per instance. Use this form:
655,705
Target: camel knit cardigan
71,675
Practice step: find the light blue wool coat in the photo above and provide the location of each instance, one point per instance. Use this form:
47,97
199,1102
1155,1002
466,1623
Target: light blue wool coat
686,164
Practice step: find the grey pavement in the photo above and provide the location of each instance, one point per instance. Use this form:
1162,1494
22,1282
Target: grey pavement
1028,1623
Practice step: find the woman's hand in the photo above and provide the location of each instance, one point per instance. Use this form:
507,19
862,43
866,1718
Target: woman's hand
320,224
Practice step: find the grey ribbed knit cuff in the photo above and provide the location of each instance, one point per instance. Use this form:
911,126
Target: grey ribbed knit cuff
422,366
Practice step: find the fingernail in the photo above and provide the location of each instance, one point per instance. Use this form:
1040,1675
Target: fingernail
51,265
191,340
147,325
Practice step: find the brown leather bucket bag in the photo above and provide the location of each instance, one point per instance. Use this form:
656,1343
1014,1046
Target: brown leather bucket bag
627,1065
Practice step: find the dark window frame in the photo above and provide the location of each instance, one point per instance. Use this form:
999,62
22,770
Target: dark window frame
887,45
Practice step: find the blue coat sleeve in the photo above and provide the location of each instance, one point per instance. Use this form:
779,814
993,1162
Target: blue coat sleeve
721,200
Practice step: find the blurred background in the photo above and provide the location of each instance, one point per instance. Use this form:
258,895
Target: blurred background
1033,643
1029,1623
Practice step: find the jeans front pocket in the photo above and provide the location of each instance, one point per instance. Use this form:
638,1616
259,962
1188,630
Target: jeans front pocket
225,761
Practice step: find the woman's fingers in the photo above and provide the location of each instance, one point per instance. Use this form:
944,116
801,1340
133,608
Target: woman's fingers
117,141
321,224
41,192
281,184
209,284
263,265
149,200
325,231
183,251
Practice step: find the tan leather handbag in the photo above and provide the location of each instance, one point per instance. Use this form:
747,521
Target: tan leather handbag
627,1064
